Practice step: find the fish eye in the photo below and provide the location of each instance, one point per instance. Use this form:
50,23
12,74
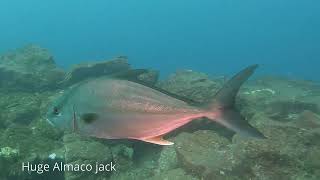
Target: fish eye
55,111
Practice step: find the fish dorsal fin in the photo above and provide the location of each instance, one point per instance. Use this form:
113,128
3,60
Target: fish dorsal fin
158,140
133,74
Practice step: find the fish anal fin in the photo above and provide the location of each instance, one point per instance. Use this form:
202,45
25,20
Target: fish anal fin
158,140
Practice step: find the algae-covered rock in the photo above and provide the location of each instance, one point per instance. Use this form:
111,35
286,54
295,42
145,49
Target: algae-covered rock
168,159
150,78
32,146
78,148
8,156
280,156
280,99
307,120
143,164
95,69
194,85
312,160
85,151
25,132
8,152
29,140
176,174
19,108
204,154
133,174
91,69
122,156
285,154
30,68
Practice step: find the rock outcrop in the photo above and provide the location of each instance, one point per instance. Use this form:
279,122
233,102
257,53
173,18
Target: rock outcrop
83,71
191,84
30,68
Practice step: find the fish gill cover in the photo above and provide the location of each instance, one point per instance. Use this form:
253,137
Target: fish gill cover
205,42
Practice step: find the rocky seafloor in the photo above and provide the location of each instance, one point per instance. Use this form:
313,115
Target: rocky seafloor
285,110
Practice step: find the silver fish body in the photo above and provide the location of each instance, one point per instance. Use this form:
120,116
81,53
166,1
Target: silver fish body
120,109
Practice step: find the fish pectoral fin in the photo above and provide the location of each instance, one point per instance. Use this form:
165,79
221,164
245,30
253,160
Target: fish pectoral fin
158,140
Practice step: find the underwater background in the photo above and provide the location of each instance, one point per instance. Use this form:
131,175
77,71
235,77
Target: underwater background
190,49
216,37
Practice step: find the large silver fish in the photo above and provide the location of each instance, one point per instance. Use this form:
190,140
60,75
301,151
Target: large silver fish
118,107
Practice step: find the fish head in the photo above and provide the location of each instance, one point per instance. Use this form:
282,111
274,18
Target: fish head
60,112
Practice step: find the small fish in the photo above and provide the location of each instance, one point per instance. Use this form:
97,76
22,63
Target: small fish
121,107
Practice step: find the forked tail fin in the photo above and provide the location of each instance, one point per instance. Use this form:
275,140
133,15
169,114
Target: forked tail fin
223,105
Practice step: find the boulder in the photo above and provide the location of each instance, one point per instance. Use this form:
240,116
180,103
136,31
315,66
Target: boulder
80,150
285,154
122,156
307,120
30,68
168,159
19,108
150,78
27,144
190,84
281,156
205,154
83,71
278,98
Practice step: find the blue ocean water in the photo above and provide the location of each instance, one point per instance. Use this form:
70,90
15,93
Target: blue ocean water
213,36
